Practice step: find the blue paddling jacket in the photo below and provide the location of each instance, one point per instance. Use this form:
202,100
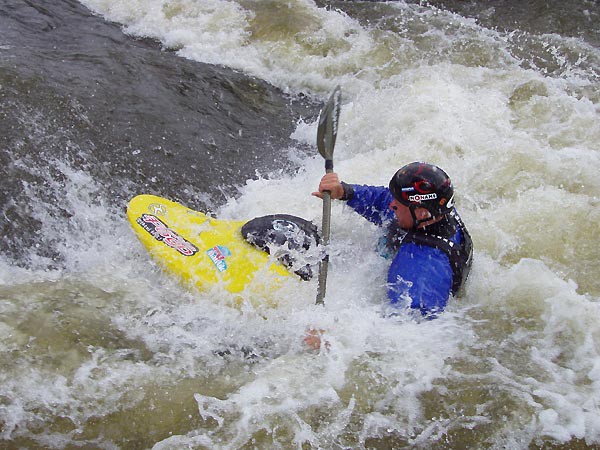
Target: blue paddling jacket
428,264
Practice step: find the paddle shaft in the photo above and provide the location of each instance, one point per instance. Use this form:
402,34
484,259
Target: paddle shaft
326,227
326,135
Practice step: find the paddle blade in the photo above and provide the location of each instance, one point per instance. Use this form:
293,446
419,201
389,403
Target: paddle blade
328,124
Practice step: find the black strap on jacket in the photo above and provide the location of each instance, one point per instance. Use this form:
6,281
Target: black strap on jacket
459,255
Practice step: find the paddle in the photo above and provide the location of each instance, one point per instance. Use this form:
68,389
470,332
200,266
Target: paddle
326,134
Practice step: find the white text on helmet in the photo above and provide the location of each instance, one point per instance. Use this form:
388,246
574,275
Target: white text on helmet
422,197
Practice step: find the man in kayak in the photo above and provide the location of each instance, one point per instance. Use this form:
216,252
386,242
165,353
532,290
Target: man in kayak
430,247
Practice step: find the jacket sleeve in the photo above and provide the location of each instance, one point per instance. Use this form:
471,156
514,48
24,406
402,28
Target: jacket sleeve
420,277
372,202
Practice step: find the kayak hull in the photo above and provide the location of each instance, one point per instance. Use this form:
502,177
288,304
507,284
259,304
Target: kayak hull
203,251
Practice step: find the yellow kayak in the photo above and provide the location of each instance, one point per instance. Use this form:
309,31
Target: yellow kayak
205,252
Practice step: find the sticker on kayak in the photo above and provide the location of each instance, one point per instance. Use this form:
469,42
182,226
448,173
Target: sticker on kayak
217,255
159,230
157,209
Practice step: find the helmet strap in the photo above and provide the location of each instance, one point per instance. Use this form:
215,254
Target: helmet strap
416,222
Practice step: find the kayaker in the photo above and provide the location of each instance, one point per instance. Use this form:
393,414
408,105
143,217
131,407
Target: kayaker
430,247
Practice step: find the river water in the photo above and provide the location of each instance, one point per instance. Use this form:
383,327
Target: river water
213,103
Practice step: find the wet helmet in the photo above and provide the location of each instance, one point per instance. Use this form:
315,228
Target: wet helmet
422,185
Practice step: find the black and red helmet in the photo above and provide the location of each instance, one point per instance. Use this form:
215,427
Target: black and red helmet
422,185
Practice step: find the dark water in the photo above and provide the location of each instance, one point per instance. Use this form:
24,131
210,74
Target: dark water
76,90
578,18
525,22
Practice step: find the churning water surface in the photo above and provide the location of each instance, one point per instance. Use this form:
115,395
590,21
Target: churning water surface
214,103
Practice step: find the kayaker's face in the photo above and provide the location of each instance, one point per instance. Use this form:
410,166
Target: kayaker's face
404,217
402,214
